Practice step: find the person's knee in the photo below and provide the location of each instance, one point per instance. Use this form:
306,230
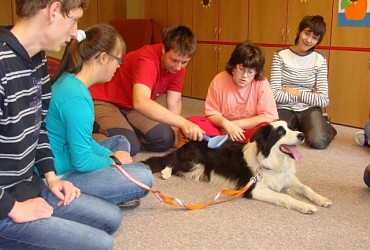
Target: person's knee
105,242
146,175
367,176
319,141
130,136
160,138
113,218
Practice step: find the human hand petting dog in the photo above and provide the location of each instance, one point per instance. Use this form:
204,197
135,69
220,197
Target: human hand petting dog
192,131
234,131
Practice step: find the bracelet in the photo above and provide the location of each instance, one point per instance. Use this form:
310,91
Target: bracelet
115,159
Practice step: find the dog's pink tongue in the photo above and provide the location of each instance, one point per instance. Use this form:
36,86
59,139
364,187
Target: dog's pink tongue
295,153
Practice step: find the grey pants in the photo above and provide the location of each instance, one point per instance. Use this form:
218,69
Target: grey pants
139,130
318,131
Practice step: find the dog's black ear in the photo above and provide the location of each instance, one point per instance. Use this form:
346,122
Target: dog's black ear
261,138
262,132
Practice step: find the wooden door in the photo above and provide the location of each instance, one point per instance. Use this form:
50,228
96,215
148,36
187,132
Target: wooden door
109,10
349,87
181,12
6,12
204,69
90,16
269,52
267,21
223,56
205,20
233,21
157,10
187,88
298,9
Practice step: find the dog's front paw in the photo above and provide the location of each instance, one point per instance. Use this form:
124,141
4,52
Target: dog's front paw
307,209
166,173
321,201
324,202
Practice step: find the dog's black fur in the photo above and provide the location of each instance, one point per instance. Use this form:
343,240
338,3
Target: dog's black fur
270,156
227,161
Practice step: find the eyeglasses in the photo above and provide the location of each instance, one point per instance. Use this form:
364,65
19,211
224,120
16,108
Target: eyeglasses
243,70
119,59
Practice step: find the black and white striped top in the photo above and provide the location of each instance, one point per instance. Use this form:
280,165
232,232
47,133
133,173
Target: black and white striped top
25,93
308,73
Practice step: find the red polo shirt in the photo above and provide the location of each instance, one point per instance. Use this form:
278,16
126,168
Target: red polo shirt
139,66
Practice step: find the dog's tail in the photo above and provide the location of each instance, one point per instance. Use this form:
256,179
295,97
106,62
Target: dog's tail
158,163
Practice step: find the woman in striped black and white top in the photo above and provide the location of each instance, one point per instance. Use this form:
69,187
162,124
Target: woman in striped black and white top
300,85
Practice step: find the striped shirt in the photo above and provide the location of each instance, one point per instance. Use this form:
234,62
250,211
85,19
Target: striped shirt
25,93
308,73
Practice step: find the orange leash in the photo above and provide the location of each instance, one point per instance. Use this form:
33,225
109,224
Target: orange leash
178,203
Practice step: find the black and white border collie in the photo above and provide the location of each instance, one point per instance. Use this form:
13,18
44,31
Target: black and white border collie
270,156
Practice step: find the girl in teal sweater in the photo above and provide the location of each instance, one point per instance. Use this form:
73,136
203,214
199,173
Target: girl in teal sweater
93,57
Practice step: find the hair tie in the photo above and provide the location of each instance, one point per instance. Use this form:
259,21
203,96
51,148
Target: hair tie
81,35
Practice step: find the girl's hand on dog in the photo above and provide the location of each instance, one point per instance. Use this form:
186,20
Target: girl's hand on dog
234,131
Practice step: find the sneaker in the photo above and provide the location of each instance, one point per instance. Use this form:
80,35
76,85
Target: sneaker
131,204
326,117
361,139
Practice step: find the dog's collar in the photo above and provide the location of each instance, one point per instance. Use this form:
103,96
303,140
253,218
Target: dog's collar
258,174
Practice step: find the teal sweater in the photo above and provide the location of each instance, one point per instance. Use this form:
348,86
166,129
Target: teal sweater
70,124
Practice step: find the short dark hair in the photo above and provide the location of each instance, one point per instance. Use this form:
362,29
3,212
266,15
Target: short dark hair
248,55
316,24
181,39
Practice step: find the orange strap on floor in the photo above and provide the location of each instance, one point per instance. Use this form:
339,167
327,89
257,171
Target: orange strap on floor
178,203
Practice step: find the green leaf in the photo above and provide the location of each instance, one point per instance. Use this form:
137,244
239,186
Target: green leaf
345,3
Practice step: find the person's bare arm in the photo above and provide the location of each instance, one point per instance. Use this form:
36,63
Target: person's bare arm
155,111
235,129
173,102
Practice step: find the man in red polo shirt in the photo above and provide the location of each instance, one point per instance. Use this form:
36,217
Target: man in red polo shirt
126,104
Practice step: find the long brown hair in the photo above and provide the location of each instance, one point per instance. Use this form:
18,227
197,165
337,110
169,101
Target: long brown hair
101,37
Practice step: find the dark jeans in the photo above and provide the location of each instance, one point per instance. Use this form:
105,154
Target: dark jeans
318,132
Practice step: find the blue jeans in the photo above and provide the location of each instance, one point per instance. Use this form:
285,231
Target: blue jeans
87,223
109,183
